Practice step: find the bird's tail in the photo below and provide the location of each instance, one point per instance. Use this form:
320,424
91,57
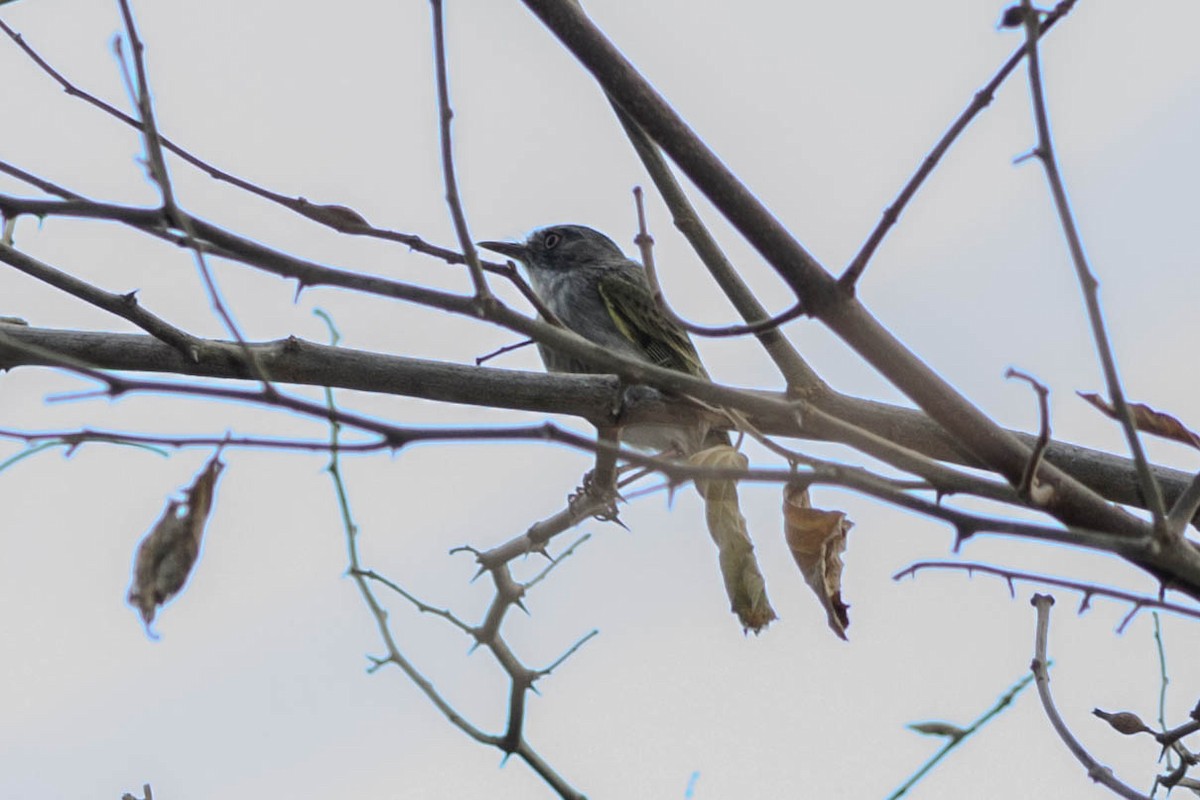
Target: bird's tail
739,568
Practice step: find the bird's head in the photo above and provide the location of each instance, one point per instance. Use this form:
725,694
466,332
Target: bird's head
561,248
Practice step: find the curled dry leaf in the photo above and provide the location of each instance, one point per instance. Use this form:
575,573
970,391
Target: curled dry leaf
1014,16
744,582
338,217
817,539
1124,722
166,556
936,728
1147,419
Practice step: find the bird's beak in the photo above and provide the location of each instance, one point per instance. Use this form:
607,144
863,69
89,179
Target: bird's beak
519,252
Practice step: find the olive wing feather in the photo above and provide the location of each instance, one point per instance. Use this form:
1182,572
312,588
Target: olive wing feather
627,297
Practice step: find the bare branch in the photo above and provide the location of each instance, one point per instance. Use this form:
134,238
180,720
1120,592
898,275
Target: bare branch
1184,509
1095,770
570,652
1001,704
1088,590
801,378
157,165
125,306
482,292
1087,280
308,273
645,243
337,217
979,102
1026,488
878,429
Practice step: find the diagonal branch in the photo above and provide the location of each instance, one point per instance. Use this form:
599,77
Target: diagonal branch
862,424
1087,280
1095,770
337,217
125,306
446,114
979,102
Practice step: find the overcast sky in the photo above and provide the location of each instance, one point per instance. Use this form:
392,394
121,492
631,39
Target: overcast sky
258,686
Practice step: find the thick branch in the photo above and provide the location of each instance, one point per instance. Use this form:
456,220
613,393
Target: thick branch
591,397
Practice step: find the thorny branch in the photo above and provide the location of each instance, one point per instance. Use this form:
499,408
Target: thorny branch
1088,590
487,633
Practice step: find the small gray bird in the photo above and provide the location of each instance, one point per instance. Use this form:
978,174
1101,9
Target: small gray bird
588,283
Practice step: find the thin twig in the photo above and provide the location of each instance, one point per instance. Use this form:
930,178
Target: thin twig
1095,770
74,438
1184,509
331,215
570,652
645,243
157,165
944,479
1088,590
979,102
1028,487
1002,703
1087,280
482,292
125,306
377,611
417,603
801,378
565,554
1164,680
508,348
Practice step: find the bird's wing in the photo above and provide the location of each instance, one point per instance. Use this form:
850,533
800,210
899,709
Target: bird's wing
629,302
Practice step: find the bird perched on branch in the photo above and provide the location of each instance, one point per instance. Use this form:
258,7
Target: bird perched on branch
585,280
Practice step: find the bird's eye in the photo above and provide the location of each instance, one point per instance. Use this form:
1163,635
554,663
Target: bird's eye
551,241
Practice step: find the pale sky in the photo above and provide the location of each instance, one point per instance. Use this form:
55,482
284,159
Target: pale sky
258,686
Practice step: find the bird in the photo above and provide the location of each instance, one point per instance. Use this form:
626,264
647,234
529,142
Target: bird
587,282
584,279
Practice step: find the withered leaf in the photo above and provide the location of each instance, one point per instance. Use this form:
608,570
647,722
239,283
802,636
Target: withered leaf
338,217
744,584
1014,16
817,539
936,728
1147,419
1124,722
167,554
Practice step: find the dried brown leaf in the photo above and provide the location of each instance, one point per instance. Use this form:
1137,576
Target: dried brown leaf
1148,419
338,217
167,554
937,728
744,584
1124,722
817,539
